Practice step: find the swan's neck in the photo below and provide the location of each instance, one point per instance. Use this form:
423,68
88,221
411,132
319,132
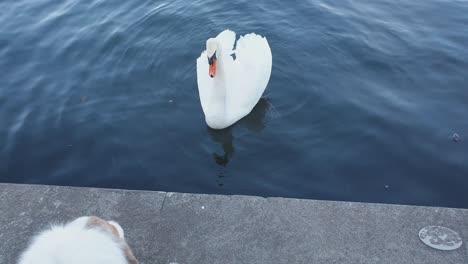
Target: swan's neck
218,107
220,78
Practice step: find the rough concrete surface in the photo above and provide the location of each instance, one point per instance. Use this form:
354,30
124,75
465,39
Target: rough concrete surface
194,228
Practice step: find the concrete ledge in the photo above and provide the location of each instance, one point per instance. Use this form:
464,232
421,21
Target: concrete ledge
192,228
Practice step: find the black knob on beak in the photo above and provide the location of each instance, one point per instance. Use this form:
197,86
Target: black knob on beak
211,59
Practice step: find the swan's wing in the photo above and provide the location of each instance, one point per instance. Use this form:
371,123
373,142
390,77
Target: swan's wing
205,83
254,54
227,39
250,73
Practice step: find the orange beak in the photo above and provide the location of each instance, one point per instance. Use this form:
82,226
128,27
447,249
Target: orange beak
212,69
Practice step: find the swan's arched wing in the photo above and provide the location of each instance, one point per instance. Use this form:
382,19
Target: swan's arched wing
205,83
254,54
249,73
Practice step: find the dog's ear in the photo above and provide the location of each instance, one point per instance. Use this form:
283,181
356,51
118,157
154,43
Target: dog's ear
126,249
95,222
117,229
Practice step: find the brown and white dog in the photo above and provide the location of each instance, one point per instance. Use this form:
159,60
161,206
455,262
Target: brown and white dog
86,240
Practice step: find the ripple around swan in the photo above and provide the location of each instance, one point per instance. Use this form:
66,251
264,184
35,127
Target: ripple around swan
362,102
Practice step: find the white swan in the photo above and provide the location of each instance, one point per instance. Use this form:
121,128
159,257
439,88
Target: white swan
230,88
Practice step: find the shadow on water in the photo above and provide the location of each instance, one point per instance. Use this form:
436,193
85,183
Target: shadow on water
253,122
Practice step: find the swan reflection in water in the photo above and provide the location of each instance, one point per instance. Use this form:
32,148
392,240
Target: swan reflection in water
253,122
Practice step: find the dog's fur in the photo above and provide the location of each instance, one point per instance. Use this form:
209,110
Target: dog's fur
86,240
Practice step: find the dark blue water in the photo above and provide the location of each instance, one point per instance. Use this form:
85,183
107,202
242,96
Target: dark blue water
362,104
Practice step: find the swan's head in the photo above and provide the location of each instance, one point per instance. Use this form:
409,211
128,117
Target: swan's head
211,50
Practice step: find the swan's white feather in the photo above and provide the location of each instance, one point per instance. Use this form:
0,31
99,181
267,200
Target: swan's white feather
244,79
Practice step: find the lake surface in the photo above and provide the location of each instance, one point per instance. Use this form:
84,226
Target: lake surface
363,103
